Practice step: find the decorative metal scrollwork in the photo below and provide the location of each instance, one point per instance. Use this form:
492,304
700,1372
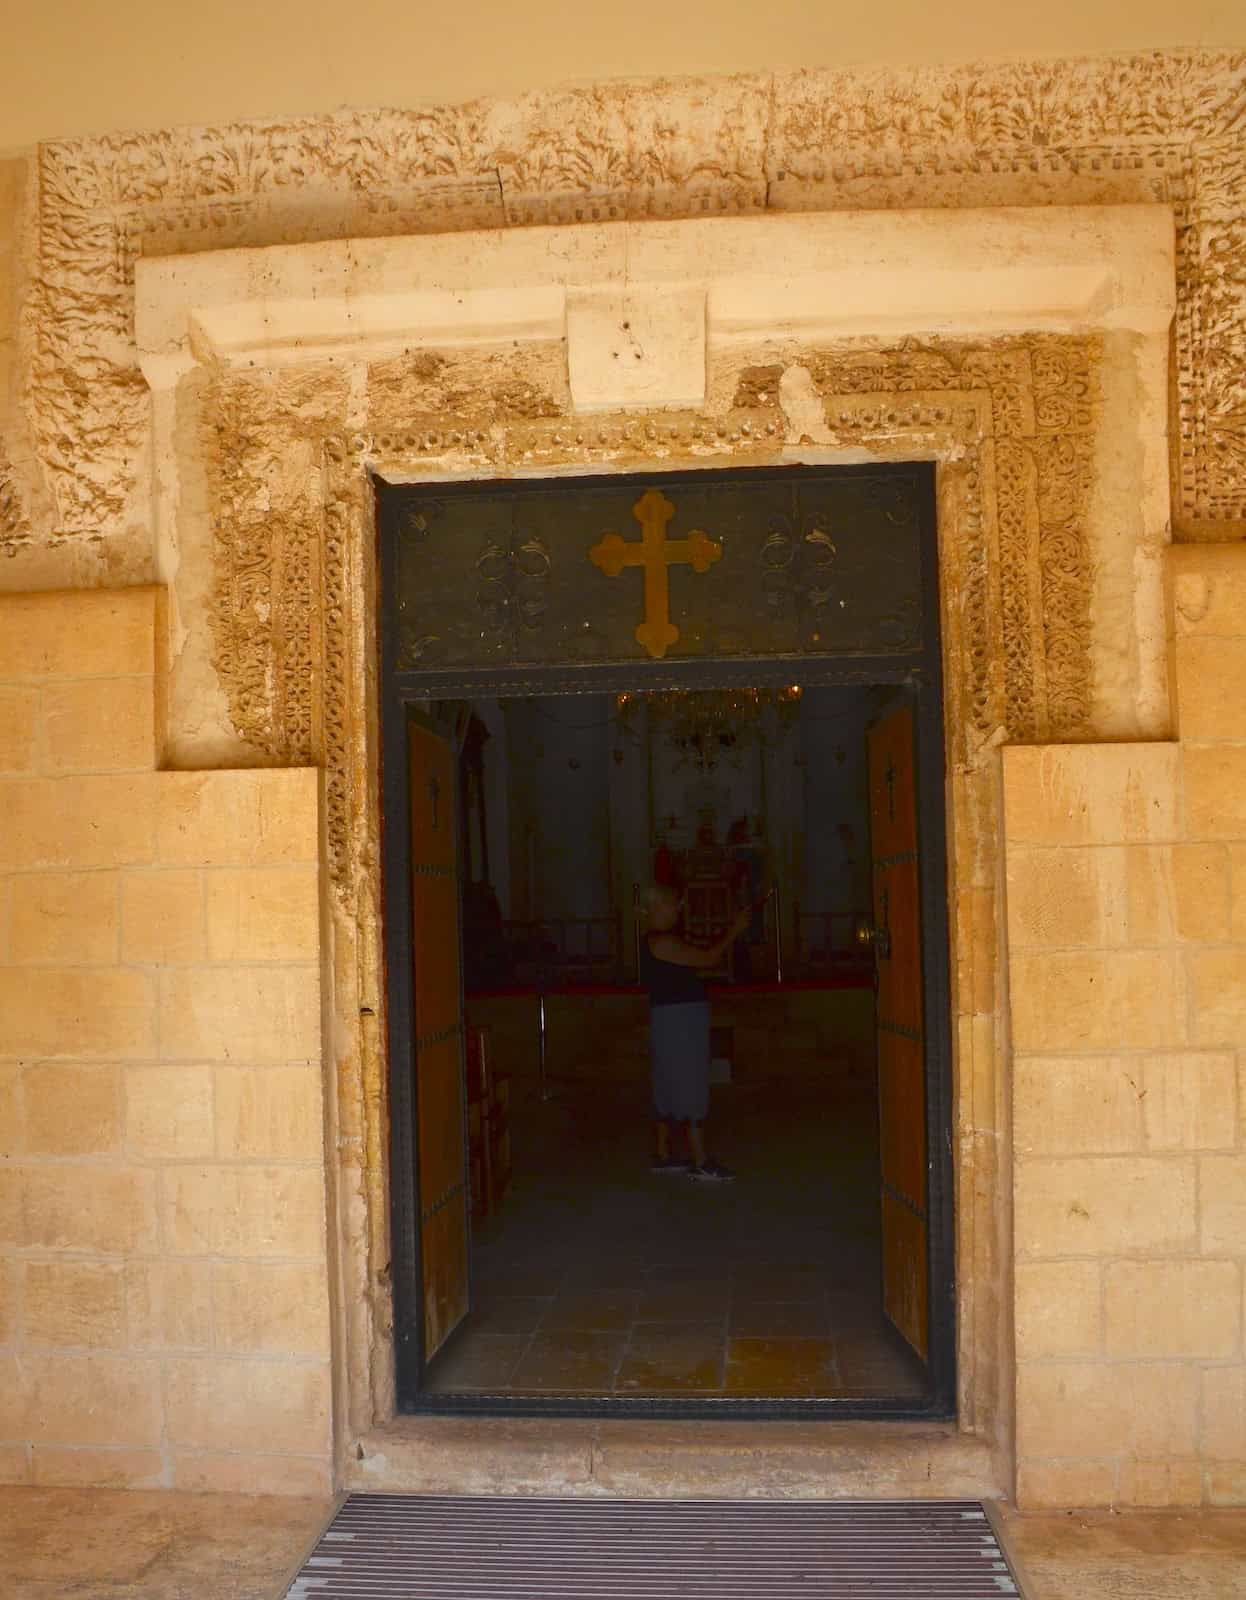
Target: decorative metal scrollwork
776,556
493,569
532,564
417,520
512,587
793,564
417,651
819,559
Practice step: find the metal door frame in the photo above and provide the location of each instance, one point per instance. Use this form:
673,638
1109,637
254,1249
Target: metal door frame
403,694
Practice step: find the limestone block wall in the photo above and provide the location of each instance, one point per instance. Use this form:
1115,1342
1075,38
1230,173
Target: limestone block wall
1126,889
163,1284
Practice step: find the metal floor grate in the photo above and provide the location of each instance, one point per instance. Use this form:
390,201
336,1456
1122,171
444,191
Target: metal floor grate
418,1547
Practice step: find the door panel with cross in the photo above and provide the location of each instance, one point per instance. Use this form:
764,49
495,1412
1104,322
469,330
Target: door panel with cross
438,1035
675,567
900,1025
654,554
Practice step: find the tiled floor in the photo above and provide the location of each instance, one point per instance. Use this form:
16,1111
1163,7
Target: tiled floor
599,1277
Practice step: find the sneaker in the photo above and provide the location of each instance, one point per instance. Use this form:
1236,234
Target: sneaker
669,1165
711,1172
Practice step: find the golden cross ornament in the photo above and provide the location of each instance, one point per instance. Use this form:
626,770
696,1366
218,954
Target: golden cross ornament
655,553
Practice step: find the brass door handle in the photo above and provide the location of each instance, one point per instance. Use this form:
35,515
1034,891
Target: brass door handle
872,937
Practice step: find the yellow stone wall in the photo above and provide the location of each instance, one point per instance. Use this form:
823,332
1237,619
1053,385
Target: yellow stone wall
1126,888
163,1283
164,1302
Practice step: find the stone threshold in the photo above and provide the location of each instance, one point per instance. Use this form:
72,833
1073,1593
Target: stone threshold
645,1458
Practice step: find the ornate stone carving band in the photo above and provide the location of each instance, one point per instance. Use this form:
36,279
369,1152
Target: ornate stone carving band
1165,126
624,344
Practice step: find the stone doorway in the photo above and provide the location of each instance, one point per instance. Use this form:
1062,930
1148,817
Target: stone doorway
1022,406
592,1286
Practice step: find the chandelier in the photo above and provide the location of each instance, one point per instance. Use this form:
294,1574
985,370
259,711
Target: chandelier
707,725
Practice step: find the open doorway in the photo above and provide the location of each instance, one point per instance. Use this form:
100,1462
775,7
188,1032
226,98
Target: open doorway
557,1265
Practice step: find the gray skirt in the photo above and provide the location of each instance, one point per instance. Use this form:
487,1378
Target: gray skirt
679,1051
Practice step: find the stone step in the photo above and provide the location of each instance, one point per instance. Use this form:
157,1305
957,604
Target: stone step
638,1457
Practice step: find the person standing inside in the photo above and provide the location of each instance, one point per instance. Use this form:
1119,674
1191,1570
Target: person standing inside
679,1033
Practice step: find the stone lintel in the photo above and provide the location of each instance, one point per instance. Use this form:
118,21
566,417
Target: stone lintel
638,302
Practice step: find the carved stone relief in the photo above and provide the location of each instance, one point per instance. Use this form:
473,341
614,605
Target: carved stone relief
286,455
1012,424
1027,603
14,522
291,519
1164,126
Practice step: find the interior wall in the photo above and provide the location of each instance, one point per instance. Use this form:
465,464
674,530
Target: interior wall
836,873
584,794
74,67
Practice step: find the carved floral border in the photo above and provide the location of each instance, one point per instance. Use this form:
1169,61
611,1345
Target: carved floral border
292,523
1166,126
1012,425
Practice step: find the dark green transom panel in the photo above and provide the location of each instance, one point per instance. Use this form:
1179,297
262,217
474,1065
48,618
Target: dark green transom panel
808,562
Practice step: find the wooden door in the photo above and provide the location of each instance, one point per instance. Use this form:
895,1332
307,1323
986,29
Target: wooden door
438,1035
900,1025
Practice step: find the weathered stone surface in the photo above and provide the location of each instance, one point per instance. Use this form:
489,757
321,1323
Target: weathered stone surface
1190,1101
19,729
1097,1000
100,725
226,819
1222,1204
1173,1309
77,823
99,1210
71,1108
113,1160
269,1113
169,1111
1048,647
1215,796
244,1211
162,918
645,1458
239,1546
1077,1105
251,1407
1080,1409
1208,591
1079,794
64,918
102,1012
169,1304
1059,1309
73,1303
263,914
229,1013
269,1308
1105,1206
71,635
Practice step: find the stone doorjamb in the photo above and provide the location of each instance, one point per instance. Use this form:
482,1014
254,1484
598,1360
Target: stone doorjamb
1026,353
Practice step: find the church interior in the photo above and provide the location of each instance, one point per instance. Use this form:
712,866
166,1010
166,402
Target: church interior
591,1274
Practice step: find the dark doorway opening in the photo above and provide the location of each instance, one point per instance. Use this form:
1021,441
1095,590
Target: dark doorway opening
539,1265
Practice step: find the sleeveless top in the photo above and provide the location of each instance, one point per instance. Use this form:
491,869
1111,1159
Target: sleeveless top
668,983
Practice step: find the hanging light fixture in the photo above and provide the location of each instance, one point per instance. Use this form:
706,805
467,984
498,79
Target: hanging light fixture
708,725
